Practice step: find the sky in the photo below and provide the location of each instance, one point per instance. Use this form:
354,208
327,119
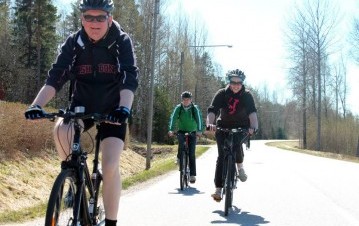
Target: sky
256,30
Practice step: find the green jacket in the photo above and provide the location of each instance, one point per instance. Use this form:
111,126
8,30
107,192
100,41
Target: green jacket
186,120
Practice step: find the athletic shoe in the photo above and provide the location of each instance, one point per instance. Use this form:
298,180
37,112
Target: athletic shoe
217,195
242,175
192,179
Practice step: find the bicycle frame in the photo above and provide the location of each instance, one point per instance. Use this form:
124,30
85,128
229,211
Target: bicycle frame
79,156
83,207
229,173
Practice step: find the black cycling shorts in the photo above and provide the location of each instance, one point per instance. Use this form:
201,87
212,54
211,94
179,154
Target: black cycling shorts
107,129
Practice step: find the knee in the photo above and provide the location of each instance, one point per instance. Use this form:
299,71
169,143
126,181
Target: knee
61,129
110,169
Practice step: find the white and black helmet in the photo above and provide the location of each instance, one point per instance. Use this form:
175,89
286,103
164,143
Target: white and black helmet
186,94
236,73
105,5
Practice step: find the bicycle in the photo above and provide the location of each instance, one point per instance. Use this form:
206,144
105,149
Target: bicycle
229,175
184,160
74,198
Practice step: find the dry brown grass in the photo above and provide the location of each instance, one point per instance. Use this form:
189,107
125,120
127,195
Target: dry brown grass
28,162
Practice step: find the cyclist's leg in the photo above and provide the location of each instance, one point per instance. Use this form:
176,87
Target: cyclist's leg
239,159
192,155
111,149
63,135
218,180
180,137
239,154
112,137
218,176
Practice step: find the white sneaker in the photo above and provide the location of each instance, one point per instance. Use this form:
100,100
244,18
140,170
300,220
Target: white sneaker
217,195
242,175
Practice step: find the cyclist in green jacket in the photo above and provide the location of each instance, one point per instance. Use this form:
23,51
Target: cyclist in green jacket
187,118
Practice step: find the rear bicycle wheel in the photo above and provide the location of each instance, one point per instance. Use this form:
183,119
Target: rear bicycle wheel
228,186
61,203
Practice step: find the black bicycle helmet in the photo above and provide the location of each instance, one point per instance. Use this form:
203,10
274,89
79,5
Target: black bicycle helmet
105,5
236,73
186,94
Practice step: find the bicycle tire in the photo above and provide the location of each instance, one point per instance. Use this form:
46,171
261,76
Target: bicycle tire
228,187
61,202
182,171
186,176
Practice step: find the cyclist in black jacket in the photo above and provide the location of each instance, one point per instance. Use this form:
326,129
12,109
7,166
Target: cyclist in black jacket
99,61
234,107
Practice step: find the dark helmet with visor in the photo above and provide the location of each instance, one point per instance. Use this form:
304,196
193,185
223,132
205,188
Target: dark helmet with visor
186,94
236,73
104,5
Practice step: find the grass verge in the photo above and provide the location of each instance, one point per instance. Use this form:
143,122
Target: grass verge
159,167
294,146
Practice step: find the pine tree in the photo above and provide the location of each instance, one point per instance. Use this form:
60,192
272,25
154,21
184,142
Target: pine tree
34,34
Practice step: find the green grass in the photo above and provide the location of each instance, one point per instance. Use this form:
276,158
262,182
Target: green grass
158,168
24,214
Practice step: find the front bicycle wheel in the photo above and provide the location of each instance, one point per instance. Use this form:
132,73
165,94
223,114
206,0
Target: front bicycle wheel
61,203
186,175
228,187
182,171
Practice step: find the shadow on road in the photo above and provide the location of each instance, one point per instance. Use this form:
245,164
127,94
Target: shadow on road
235,216
187,191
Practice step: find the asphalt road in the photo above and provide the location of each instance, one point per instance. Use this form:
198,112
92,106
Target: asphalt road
284,188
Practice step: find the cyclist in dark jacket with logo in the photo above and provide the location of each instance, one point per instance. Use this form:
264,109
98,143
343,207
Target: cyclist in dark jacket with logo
99,61
234,107
187,118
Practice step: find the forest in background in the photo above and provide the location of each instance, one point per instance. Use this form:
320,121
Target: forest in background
31,32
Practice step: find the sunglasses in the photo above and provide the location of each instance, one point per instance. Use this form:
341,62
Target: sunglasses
235,83
99,18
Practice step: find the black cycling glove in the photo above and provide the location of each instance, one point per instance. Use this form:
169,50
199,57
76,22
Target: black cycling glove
119,115
34,112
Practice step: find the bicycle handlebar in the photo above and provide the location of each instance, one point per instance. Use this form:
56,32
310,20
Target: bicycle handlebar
68,115
185,133
234,130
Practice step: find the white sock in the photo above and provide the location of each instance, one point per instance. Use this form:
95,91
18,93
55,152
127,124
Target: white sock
239,166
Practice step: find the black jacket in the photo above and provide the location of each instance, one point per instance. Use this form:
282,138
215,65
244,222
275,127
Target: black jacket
99,74
232,109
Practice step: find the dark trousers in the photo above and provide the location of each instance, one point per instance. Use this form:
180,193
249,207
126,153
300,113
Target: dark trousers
237,147
192,140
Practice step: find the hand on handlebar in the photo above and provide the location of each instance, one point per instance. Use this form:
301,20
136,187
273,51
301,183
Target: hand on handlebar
252,131
34,112
211,127
119,115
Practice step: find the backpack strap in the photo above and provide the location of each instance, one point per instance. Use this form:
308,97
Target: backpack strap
192,109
